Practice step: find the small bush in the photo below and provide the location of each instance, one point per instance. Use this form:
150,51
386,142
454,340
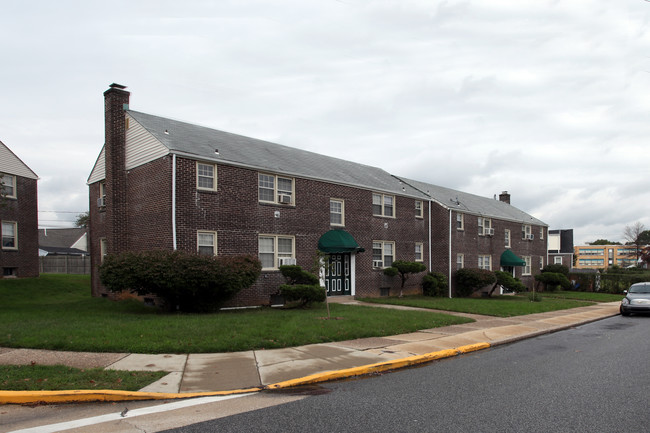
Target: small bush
556,269
434,284
305,294
295,275
552,281
185,282
469,280
508,282
534,296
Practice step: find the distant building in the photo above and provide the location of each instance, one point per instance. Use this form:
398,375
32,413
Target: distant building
560,247
18,217
604,256
67,241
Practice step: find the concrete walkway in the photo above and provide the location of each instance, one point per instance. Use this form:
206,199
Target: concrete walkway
259,368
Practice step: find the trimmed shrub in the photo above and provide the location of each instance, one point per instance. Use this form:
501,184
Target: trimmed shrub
302,286
295,275
404,268
185,282
305,294
552,281
434,284
534,296
469,280
556,269
508,282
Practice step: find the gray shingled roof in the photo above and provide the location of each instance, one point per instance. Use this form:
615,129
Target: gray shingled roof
474,204
202,142
62,238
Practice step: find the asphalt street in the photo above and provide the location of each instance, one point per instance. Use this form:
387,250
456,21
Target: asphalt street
594,378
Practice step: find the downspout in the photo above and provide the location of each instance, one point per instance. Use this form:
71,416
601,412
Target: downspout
174,201
430,238
449,277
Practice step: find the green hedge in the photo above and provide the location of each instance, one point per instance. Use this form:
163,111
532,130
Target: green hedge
469,280
185,282
305,294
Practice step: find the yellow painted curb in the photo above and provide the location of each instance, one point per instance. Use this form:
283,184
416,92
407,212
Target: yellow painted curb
77,396
378,367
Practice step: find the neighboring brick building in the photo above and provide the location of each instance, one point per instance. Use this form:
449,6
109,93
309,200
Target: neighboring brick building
18,217
164,184
560,247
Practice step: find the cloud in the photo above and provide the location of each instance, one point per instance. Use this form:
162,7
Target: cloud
545,99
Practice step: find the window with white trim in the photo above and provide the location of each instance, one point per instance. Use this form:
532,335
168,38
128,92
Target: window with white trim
9,235
206,176
206,243
276,189
337,212
485,226
526,231
485,262
383,254
460,221
272,248
418,209
8,185
103,249
507,237
460,261
557,260
541,232
383,205
418,251
541,262
101,201
527,268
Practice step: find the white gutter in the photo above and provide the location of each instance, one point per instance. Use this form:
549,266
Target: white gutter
449,278
174,201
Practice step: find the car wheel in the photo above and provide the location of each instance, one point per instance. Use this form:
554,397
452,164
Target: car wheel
624,313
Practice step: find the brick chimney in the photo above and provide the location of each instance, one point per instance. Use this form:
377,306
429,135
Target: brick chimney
504,197
116,100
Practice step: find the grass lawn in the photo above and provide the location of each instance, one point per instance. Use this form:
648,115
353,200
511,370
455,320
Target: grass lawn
500,306
59,378
57,312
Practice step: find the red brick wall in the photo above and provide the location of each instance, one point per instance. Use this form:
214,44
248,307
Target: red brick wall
24,211
235,213
472,245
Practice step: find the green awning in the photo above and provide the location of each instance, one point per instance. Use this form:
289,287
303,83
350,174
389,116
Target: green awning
508,258
338,241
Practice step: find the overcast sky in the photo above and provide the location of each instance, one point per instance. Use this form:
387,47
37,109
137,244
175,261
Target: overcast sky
548,100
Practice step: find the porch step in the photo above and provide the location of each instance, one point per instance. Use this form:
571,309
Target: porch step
340,299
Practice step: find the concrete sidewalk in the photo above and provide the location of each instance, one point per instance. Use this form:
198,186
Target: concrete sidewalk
195,373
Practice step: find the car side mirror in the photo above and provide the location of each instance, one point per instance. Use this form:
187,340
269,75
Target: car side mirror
625,292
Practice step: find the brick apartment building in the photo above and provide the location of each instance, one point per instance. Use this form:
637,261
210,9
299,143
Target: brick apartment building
163,184
18,217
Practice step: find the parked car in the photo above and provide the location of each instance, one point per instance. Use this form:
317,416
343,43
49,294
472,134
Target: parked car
637,299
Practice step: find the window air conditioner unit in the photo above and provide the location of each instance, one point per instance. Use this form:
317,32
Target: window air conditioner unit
284,198
101,202
489,232
530,237
287,261
377,264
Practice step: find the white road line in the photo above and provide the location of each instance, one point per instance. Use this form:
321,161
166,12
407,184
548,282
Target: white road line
52,428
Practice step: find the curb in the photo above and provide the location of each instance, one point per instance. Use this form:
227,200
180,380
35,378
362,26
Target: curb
78,396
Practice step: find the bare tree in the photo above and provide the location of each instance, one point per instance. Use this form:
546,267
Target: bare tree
632,235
